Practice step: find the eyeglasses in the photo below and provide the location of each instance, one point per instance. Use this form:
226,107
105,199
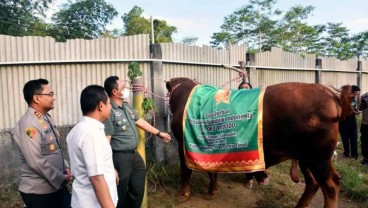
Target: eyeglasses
51,94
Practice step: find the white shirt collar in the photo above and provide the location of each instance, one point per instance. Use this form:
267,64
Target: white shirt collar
92,121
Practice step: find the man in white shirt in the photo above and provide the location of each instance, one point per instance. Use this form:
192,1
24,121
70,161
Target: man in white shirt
91,155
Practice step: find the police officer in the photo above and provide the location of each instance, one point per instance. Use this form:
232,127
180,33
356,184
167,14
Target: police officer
43,171
121,130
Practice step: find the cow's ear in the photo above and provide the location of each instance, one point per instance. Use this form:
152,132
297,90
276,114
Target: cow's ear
168,85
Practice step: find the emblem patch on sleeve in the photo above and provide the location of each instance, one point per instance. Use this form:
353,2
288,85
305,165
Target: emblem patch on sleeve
52,147
31,132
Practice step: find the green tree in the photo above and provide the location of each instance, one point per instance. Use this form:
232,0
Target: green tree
23,17
135,24
295,35
360,44
337,42
85,19
251,25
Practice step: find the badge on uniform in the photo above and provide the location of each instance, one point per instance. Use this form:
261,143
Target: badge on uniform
50,138
117,113
121,123
52,147
43,124
31,132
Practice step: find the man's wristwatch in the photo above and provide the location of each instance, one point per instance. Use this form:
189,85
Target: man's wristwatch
158,134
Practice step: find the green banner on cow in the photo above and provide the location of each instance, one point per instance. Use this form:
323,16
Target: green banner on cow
223,130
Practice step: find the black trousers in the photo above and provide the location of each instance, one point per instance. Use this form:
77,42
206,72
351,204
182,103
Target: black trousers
132,173
364,140
349,136
59,199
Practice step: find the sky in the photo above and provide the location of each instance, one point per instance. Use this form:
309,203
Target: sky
202,18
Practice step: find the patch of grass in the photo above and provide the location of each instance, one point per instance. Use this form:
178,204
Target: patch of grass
9,196
281,190
354,179
160,176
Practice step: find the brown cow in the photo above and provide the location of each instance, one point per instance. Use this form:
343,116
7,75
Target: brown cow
300,122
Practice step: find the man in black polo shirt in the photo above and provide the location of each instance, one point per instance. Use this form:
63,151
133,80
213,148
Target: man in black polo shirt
121,130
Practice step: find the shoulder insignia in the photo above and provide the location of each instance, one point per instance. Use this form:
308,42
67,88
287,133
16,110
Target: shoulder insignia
31,132
37,114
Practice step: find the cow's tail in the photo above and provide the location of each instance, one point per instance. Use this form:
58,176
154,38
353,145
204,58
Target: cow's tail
342,100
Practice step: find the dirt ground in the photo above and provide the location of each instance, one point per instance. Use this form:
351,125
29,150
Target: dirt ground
232,193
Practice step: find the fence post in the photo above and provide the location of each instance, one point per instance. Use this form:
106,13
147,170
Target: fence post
137,104
318,70
252,71
243,68
359,73
158,88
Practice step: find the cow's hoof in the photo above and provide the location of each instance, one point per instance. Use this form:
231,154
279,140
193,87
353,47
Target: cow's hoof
183,197
249,184
209,196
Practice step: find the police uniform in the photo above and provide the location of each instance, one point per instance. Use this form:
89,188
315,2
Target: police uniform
129,164
42,164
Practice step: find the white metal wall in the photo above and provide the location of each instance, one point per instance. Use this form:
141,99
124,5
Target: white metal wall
279,58
73,65
271,76
42,57
204,54
333,63
216,76
67,81
338,79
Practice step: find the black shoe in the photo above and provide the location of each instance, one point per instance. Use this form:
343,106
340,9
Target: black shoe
346,155
355,157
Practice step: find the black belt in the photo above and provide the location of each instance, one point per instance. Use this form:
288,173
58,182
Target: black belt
125,151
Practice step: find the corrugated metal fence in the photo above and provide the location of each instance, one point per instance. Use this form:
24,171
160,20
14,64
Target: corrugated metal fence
73,65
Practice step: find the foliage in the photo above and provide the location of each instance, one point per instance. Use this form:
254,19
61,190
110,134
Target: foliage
337,42
251,25
294,34
22,17
259,27
134,71
189,40
135,24
85,19
148,105
354,180
360,44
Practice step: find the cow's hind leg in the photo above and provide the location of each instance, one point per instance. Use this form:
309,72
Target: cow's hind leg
185,176
311,186
329,181
212,189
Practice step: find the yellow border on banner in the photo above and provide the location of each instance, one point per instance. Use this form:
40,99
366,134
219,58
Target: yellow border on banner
260,125
185,117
